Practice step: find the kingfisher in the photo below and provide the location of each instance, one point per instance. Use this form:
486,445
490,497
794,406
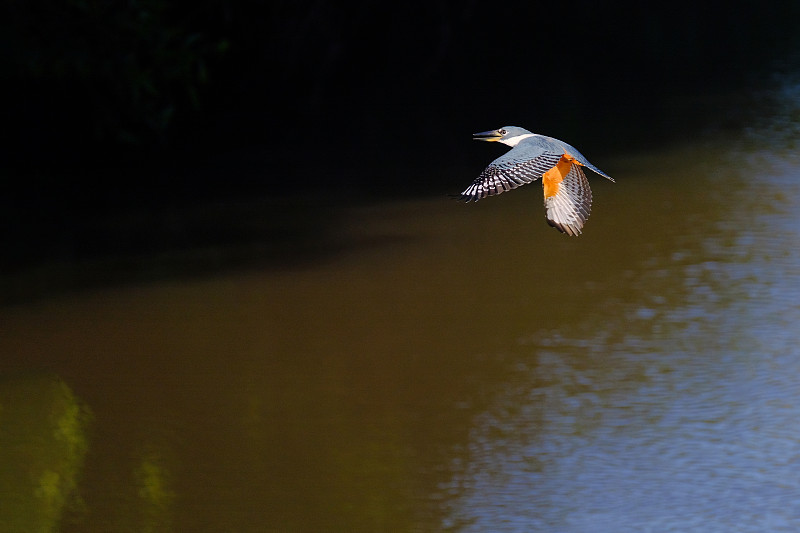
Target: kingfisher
567,196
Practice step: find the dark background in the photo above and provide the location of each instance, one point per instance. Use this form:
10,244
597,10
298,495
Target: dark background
149,106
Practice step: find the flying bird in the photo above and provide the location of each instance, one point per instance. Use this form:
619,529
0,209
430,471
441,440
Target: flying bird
567,196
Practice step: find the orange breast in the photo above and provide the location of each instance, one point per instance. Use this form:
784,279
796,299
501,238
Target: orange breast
551,180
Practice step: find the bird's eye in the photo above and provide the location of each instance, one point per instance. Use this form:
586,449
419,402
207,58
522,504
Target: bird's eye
501,132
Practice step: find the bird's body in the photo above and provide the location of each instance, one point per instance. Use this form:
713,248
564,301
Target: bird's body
567,196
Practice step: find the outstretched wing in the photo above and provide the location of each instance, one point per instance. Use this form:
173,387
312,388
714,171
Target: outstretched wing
569,208
509,171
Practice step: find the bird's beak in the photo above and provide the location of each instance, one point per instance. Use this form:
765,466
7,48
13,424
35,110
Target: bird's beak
491,136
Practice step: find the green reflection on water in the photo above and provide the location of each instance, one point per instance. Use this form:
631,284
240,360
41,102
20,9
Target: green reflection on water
156,496
42,446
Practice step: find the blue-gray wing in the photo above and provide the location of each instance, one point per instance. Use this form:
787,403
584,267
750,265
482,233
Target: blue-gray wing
509,171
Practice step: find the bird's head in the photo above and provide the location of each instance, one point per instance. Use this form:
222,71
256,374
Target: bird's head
509,135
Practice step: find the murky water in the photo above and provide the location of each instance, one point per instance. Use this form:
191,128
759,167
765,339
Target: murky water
456,367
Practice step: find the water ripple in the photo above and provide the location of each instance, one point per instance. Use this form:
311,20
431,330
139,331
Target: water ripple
679,411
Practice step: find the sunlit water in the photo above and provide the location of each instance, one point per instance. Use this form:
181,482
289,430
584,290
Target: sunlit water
675,409
459,367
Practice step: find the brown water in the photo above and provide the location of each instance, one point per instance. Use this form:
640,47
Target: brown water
457,367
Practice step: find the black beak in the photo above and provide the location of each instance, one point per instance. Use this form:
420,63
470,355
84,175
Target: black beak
491,136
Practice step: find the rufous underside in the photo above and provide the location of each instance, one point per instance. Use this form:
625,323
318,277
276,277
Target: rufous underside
551,180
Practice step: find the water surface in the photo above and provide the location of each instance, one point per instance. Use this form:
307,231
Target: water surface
460,367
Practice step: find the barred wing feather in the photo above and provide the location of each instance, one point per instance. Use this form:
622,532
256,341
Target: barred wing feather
509,172
569,208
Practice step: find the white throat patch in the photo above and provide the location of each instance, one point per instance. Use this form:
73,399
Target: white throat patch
513,141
